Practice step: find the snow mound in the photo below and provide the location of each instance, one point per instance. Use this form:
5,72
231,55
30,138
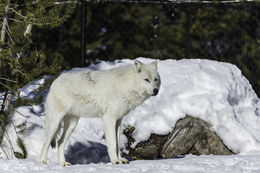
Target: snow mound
214,91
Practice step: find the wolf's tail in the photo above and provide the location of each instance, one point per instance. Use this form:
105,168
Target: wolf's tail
53,141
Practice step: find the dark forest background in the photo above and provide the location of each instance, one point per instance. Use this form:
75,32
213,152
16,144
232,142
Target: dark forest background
228,32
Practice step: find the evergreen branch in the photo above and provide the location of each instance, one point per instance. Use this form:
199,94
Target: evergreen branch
28,101
54,3
8,28
44,21
16,12
9,80
21,145
8,33
35,48
43,24
21,127
13,19
66,2
15,70
7,87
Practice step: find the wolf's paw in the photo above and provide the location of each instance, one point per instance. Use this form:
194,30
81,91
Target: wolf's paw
44,162
65,164
121,161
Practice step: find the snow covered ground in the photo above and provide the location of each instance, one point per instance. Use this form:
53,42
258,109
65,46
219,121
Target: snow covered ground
189,164
213,91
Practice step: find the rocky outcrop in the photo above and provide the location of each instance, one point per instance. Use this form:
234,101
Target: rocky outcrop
189,136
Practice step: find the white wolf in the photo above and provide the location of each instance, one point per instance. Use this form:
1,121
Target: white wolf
109,94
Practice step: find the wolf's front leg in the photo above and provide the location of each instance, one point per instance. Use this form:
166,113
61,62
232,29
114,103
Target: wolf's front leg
110,129
120,159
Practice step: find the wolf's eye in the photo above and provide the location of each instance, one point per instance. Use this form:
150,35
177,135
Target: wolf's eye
155,80
147,80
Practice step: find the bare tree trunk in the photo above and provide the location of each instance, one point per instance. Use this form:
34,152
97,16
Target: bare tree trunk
8,96
28,29
4,26
7,105
7,108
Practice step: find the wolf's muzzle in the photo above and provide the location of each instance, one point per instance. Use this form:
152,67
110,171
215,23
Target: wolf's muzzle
155,91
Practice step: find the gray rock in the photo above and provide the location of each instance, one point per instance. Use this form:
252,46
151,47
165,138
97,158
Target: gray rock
189,136
193,136
149,149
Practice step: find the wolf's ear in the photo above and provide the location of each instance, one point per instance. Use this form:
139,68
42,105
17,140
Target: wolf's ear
138,66
154,64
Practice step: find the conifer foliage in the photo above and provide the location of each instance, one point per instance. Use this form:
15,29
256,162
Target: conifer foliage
21,60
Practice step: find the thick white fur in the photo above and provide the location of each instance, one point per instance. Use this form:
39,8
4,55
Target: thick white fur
109,94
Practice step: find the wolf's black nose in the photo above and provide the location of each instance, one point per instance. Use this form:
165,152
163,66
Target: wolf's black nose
155,91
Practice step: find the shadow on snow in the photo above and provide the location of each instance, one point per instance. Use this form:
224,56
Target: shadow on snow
91,152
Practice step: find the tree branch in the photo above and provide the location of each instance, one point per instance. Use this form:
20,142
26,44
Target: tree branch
16,12
8,32
7,87
13,19
9,80
28,29
4,26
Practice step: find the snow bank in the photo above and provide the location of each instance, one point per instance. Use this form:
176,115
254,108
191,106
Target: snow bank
213,91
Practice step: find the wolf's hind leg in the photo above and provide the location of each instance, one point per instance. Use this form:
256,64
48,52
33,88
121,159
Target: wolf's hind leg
52,126
70,123
53,141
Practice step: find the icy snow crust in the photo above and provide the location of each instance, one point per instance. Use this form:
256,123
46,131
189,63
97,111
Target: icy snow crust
213,91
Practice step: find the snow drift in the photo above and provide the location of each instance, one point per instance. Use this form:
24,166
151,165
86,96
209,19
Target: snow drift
213,91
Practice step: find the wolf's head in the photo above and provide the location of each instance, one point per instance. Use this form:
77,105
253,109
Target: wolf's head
148,77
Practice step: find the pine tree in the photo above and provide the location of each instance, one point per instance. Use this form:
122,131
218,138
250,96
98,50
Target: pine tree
20,60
